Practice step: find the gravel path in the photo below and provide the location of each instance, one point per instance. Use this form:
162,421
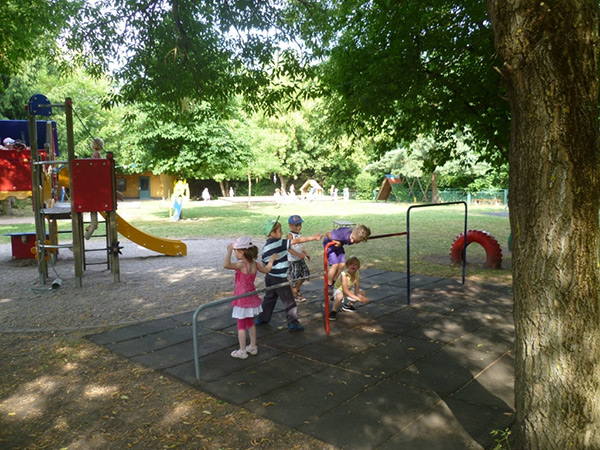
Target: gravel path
152,286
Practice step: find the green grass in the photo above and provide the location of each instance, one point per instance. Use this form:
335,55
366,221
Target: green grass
433,230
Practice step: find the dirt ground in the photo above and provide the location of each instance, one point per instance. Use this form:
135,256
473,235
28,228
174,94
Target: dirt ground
60,391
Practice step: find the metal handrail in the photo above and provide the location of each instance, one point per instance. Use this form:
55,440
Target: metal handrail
228,299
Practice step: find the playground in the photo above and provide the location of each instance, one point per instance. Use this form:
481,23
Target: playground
105,353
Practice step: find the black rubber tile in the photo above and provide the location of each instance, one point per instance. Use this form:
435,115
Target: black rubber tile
447,328
259,379
152,342
220,364
389,357
372,417
441,373
310,397
341,346
405,319
184,352
133,331
437,429
498,379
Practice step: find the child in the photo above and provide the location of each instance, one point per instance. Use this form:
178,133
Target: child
296,254
347,287
245,308
335,254
278,275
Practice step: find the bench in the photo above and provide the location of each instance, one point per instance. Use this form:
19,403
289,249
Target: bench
342,224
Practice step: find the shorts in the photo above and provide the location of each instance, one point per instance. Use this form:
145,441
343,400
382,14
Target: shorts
344,298
298,269
336,255
245,324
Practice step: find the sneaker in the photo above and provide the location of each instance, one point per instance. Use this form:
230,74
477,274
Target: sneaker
349,307
252,350
239,353
295,327
300,299
332,315
258,321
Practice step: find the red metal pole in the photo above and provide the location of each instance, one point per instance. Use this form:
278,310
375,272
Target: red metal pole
329,244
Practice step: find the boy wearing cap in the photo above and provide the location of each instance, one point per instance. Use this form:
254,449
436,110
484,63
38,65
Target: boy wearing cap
278,275
298,269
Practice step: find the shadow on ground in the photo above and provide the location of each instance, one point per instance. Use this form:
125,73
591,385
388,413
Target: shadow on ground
437,374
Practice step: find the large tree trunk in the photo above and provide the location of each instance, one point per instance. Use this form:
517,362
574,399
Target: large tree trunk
550,70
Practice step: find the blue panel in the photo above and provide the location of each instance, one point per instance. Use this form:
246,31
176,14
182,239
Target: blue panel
19,129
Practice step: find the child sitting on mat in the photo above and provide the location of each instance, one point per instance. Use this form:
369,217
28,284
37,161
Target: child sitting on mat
347,289
336,257
245,308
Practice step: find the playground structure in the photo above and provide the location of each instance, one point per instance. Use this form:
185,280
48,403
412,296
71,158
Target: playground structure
389,185
491,246
181,195
92,189
337,224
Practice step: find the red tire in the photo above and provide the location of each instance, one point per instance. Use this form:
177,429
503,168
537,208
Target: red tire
483,238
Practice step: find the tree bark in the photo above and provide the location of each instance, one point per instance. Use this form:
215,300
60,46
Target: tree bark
7,206
249,188
434,189
549,56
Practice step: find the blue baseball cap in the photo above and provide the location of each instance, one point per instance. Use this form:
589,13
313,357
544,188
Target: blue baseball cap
295,220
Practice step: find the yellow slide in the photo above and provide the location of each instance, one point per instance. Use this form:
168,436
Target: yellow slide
170,247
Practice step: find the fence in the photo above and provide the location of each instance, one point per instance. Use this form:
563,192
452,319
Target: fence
497,197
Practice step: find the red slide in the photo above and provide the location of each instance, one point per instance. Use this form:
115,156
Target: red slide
483,238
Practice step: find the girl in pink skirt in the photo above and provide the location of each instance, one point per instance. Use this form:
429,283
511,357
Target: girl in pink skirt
245,308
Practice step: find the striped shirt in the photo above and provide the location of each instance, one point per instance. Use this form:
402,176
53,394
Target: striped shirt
279,246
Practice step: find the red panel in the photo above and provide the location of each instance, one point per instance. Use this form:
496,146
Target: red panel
15,170
92,185
22,244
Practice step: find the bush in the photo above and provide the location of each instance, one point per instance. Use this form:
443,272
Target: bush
365,184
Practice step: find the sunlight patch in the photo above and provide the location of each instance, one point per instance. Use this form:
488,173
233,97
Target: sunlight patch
96,390
29,404
180,410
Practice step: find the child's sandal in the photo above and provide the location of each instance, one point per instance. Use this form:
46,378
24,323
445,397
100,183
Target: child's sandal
252,350
239,353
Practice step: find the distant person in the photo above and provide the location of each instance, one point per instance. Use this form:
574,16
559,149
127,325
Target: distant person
97,146
336,257
347,289
298,269
277,197
346,195
8,144
19,145
231,193
245,309
335,196
278,275
292,194
205,195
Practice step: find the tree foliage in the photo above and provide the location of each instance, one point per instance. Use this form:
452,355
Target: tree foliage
410,68
31,30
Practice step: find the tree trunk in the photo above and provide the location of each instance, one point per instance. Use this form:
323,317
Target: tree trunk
549,52
434,189
283,180
249,188
7,206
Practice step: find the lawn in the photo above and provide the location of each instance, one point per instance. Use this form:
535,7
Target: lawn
433,230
